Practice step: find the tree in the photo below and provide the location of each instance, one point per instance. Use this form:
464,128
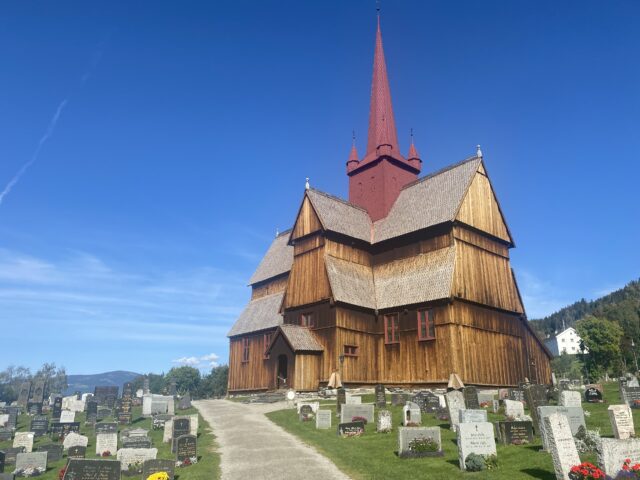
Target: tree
215,384
187,379
602,339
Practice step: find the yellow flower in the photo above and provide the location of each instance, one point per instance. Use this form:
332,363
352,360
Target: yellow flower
158,476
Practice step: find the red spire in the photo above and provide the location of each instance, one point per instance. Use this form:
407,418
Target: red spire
352,162
413,152
382,126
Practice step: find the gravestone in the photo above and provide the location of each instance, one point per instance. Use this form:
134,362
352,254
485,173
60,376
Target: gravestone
61,430
67,416
323,419
455,403
535,396
564,384
613,452
474,438
471,398
39,425
106,442
408,435
172,388
472,416
24,439
145,386
411,414
570,398
351,411
159,421
74,440
10,454
37,396
1,461
384,423
135,457
195,419
516,394
136,442
34,408
77,451
305,413
513,408
621,420
381,396
427,401
106,427
92,411
106,395
181,426
33,460
313,405
78,469
593,393
4,419
103,413
351,428
353,400
574,415
5,435
495,406
515,433
631,396
398,399
149,467
341,399
57,409
561,445
186,447
485,397
54,451
23,395
185,402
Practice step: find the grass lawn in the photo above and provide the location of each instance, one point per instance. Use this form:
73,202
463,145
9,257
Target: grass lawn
372,456
207,468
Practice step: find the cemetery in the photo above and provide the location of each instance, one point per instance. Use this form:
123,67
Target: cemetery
427,444
70,440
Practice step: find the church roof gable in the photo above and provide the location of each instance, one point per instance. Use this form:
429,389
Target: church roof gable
276,261
339,216
300,339
260,314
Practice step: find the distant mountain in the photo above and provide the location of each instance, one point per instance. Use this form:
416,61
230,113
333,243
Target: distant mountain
87,383
621,306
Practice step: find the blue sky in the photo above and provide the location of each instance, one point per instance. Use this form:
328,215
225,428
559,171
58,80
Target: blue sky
185,132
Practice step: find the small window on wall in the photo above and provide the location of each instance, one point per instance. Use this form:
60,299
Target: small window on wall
245,350
391,328
266,342
306,320
426,325
350,350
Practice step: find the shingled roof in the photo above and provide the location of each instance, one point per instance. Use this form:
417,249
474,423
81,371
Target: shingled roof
301,339
276,261
407,281
259,314
339,216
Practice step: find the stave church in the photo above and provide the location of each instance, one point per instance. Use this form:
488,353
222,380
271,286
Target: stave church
405,283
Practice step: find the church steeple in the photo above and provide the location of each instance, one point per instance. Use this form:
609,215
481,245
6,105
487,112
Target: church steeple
376,180
382,125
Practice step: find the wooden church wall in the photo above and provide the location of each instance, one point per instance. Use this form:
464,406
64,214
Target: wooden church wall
479,240
276,285
308,280
307,372
484,277
257,373
480,209
539,368
307,221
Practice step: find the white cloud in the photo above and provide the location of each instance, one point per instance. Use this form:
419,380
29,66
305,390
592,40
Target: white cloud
205,361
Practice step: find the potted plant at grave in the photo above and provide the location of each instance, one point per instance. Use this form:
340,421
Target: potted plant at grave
423,447
134,468
629,471
586,471
158,476
475,462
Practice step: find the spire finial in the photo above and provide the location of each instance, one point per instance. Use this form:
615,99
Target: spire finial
411,133
478,152
277,232
306,184
353,138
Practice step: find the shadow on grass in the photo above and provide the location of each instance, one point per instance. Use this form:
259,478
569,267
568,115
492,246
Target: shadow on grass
535,448
539,473
455,463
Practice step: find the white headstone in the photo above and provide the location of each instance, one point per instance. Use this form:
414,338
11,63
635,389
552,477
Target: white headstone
31,460
323,419
24,439
67,416
575,417
475,438
408,434
127,456
349,411
570,398
194,424
353,400
106,442
75,440
561,445
472,416
4,418
455,403
411,414
146,404
612,454
513,408
314,406
384,423
621,421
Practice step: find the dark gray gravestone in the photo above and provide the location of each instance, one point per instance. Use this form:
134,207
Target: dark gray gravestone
104,413
39,425
631,395
306,413
427,401
1,462
399,399
149,467
13,420
37,395
515,433
23,395
535,396
516,394
6,476
341,399
172,388
77,451
78,469
91,408
107,427
54,451
185,402
136,442
351,428
381,396
10,454
160,419
34,408
60,430
57,409
186,447
593,394
106,396
471,398
181,427
5,435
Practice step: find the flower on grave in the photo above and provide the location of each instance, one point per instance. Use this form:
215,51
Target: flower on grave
355,433
484,405
61,473
519,441
134,466
359,419
106,453
587,471
412,424
423,444
158,476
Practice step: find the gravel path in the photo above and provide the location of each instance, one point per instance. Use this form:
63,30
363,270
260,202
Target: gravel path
254,448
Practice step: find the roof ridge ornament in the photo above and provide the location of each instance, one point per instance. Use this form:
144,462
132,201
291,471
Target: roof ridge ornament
306,184
478,152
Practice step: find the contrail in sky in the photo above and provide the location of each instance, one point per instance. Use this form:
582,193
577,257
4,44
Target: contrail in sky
52,124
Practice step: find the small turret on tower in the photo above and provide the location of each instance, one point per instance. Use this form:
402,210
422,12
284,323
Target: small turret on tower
414,157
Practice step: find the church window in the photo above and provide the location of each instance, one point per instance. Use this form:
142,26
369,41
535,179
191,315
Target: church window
245,350
391,328
266,342
306,320
426,325
350,350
